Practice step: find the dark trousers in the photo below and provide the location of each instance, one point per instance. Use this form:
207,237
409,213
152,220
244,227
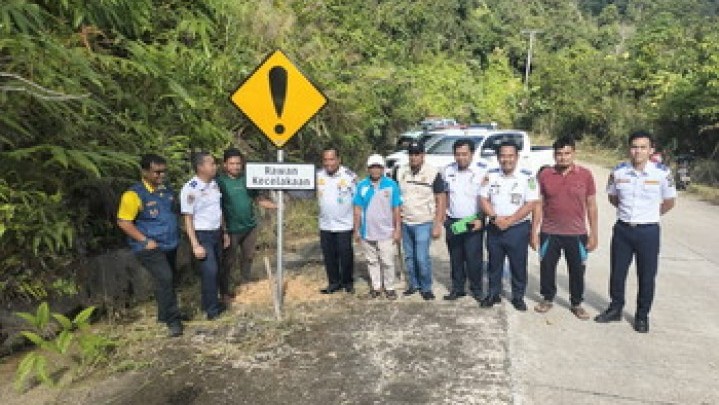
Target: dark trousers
465,258
641,242
511,243
338,257
243,243
211,241
161,266
575,254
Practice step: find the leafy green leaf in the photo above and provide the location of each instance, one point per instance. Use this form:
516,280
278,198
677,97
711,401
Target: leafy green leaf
81,319
64,321
34,338
43,314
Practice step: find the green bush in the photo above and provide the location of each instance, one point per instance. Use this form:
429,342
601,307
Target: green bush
56,336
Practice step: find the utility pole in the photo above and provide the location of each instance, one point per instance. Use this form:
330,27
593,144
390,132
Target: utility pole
532,34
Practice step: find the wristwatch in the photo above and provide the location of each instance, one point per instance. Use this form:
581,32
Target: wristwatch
146,242
491,218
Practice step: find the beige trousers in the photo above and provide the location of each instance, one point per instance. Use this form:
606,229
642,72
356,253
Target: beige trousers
380,263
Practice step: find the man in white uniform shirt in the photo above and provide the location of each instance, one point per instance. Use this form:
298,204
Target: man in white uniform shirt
508,197
335,191
462,183
642,191
200,206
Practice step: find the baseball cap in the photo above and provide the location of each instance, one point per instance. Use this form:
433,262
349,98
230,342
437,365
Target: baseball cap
415,147
375,160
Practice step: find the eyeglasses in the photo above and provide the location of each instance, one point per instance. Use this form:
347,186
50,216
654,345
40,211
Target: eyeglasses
159,171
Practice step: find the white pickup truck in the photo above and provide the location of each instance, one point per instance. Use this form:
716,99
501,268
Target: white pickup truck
429,138
439,151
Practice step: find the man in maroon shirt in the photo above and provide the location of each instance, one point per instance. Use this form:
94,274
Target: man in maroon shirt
568,198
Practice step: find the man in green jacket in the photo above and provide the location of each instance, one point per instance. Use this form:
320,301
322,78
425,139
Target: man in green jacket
238,208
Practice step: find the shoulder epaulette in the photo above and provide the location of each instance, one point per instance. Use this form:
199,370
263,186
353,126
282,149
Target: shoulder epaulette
525,172
481,164
193,183
662,166
493,170
621,166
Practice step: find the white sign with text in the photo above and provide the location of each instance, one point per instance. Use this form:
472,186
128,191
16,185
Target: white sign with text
280,176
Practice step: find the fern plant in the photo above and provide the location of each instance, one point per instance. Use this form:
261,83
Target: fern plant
55,335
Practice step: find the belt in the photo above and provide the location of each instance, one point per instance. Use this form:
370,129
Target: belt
637,224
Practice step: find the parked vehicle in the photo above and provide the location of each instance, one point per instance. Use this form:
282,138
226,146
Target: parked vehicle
400,157
432,123
440,154
407,137
683,172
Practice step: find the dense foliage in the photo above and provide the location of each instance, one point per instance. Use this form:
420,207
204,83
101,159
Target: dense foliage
86,86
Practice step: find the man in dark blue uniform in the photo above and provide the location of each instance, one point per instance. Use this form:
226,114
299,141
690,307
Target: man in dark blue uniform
642,191
508,196
148,217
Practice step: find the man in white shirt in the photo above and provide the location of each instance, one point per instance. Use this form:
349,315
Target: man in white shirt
642,191
462,183
335,191
200,206
508,197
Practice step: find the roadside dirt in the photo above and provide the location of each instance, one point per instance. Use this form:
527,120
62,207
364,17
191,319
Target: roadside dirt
338,349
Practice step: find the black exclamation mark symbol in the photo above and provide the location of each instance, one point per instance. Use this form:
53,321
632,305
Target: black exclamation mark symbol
278,88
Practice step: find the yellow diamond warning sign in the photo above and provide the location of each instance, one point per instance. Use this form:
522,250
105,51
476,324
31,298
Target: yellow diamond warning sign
278,98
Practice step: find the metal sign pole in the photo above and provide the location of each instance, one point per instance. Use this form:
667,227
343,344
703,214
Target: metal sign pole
280,221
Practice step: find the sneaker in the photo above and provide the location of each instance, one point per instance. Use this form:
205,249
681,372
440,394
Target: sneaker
543,306
579,312
174,329
391,295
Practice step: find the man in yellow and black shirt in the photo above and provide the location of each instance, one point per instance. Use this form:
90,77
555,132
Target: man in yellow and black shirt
147,215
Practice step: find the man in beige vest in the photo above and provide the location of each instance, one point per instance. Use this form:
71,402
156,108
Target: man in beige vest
424,201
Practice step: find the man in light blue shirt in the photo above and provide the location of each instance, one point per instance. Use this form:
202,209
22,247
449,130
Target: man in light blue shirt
377,222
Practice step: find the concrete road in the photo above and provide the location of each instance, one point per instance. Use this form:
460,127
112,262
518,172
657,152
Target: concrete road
352,350
558,359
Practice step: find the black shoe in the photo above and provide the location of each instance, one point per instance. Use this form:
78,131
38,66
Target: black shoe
373,294
477,297
330,289
174,329
221,308
610,315
427,296
349,289
410,291
489,301
519,304
641,325
391,295
454,295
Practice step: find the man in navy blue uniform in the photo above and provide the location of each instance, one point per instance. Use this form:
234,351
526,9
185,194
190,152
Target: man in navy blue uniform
642,191
508,196
147,215
462,184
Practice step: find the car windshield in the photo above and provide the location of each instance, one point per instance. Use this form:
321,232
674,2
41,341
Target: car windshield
444,145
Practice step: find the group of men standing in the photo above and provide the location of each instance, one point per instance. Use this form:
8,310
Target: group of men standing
219,219
508,206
